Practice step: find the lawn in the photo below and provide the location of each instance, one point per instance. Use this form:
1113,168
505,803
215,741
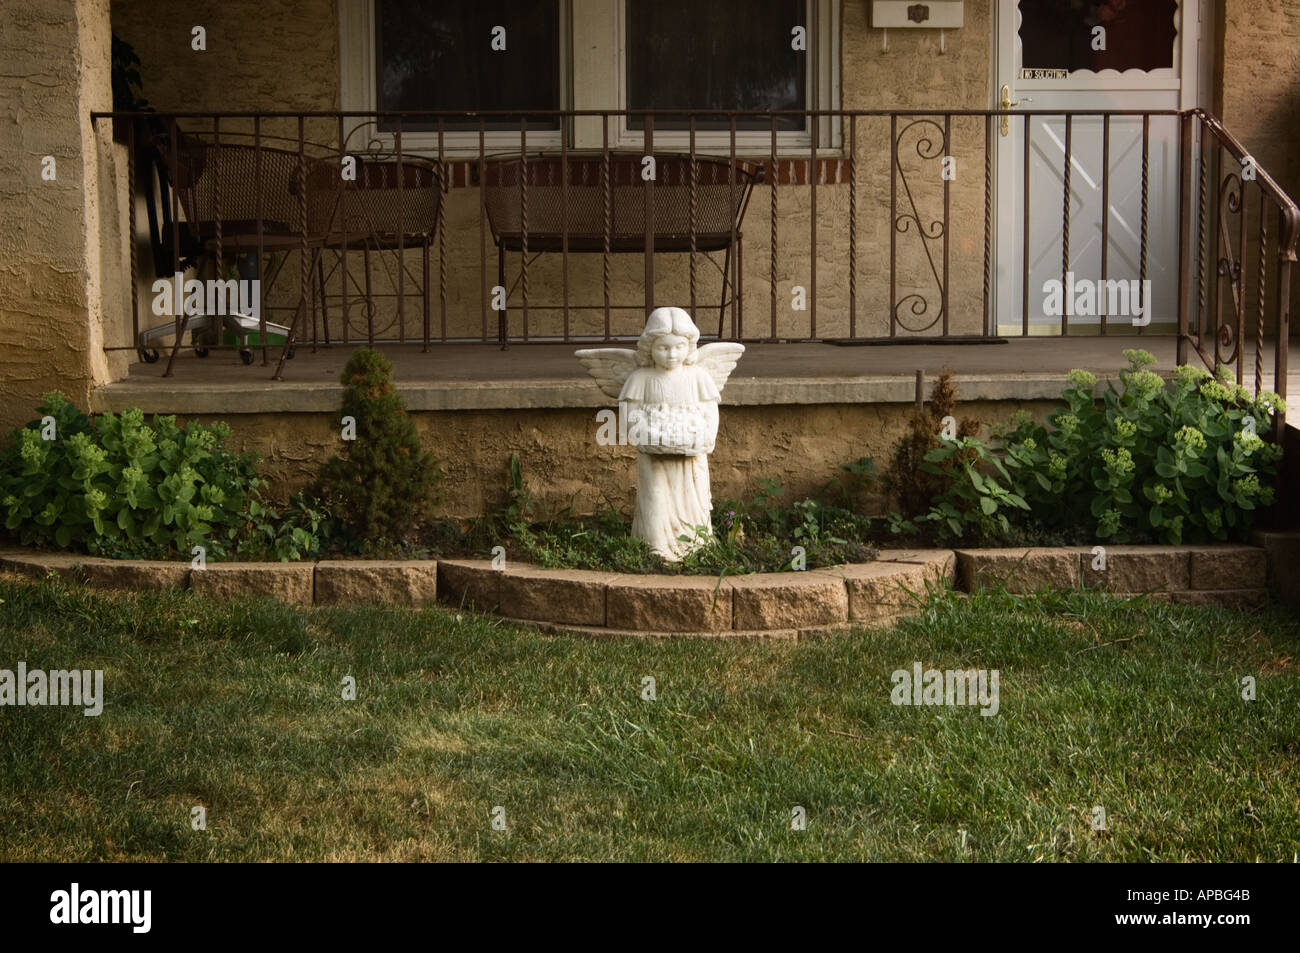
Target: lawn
1132,706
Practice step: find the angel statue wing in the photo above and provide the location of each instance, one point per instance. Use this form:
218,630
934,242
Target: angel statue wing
719,359
610,366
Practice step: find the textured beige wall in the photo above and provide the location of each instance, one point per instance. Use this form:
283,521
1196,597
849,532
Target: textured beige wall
1258,96
271,55
261,56
804,446
60,269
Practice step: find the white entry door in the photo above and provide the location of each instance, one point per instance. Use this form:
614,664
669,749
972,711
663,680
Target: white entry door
1071,55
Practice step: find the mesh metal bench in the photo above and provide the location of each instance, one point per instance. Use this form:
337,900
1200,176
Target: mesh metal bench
238,184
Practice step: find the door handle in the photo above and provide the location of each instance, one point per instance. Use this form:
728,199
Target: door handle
1009,103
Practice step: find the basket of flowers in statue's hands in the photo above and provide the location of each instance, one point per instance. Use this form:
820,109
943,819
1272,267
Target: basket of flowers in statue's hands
685,429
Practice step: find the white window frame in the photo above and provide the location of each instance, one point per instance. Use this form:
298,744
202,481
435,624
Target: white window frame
357,92
596,80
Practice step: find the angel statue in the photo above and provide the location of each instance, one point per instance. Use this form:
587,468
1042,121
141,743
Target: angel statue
668,391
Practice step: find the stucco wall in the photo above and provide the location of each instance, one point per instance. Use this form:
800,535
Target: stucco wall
279,55
803,446
59,264
1258,96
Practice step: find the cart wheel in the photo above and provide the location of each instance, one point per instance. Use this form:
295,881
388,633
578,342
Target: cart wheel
200,351
147,354
246,355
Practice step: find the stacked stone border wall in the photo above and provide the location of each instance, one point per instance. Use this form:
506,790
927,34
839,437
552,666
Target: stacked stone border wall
787,605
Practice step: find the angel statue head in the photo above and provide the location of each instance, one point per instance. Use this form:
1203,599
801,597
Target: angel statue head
667,346
668,340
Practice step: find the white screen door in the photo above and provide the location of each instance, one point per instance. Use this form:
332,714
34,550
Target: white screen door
1067,55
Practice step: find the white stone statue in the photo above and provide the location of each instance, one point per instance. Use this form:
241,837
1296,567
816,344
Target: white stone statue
668,391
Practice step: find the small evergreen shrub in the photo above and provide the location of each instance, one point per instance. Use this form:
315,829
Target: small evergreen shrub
381,490
115,485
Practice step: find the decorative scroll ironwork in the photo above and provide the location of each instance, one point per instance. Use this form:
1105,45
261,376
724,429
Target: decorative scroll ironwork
916,303
1227,337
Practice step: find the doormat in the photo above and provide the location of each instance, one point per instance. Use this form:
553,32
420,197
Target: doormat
877,342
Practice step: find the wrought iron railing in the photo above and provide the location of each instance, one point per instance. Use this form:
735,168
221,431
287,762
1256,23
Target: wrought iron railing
334,195
1215,314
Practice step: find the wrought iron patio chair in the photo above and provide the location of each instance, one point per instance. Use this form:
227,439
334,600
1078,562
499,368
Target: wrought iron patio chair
223,189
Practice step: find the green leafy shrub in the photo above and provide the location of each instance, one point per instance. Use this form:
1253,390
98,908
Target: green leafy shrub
289,534
118,486
979,492
1149,461
1177,463
381,491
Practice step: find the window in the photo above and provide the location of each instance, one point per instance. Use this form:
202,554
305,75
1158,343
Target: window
720,55
416,54
724,54
618,55
1063,34
491,55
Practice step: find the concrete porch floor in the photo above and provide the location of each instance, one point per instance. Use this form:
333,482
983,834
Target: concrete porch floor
482,376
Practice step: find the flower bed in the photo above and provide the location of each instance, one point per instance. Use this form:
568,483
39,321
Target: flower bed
1152,461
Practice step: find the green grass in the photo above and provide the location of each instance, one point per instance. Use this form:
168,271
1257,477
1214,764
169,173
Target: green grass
237,706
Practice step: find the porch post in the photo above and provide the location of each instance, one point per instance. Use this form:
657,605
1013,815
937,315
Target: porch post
67,295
